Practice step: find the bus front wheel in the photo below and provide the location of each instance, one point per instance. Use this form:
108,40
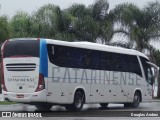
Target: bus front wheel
136,100
77,103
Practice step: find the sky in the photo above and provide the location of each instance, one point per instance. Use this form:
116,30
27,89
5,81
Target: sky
10,7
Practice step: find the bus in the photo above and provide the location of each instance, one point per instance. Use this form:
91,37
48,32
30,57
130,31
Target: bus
155,84
46,72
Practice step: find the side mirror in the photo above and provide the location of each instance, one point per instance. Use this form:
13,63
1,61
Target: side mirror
155,72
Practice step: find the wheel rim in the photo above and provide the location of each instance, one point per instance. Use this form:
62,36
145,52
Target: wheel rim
78,102
79,99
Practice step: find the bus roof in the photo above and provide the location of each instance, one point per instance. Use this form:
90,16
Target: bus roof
89,45
96,46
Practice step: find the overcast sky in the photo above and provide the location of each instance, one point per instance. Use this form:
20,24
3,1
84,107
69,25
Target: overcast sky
10,7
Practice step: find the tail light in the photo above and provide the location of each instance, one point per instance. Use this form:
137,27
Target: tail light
41,84
3,86
2,82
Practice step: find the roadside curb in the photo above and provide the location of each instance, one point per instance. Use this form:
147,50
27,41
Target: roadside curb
16,104
155,100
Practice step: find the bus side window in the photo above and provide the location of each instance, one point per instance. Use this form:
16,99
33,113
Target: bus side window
88,59
95,60
147,70
76,57
134,65
52,50
119,60
109,61
102,61
149,75
58,55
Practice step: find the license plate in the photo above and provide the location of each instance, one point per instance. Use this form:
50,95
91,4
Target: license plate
20,96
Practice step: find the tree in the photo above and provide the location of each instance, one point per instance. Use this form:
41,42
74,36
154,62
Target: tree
82,25
4,33
4,28
100,9
123,44
44,21
156,55
21,25
50,21
91,23
100,13
141,26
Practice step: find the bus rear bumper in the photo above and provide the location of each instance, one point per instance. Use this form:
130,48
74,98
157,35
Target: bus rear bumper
25,97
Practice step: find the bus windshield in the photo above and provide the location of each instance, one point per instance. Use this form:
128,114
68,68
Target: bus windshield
22,48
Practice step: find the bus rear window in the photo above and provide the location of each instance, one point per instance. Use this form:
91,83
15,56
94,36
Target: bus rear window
22,48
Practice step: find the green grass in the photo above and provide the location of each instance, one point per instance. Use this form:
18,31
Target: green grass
6,103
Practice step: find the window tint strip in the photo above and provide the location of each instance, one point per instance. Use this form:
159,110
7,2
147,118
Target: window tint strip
71,57
22,48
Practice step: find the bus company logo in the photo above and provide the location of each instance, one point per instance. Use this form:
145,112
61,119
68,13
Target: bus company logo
75,75
6,114
21,79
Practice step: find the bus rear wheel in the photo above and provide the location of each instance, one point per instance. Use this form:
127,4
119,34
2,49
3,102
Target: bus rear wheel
127,105
44,107
78,102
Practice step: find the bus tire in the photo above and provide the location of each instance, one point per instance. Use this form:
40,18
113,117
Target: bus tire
69,107
77,103
136,100
44,107
127,105
103,105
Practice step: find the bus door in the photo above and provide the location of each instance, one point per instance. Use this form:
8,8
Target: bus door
149,78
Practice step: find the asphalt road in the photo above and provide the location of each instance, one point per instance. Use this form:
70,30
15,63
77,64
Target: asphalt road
153,106
90,112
